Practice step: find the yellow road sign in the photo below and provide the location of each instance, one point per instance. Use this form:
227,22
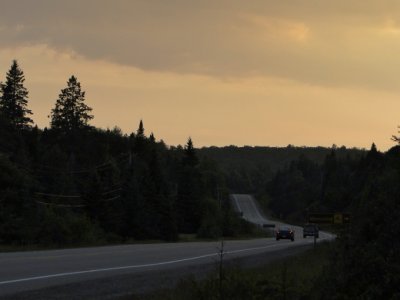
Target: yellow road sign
338,219
329,218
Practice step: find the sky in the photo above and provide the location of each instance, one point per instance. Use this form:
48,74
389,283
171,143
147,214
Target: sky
224,72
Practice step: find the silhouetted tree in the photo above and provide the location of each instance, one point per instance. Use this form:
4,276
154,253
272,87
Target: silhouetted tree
190,158
14,98
190,192
70,112
396,138
368,244
140,131
140,141
152,138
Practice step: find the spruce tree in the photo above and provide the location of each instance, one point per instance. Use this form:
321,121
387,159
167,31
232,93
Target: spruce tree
190,154
140,141
140,131
190,192
70,112
14,98
152,138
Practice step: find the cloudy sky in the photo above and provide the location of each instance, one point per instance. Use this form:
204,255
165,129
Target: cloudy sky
257,72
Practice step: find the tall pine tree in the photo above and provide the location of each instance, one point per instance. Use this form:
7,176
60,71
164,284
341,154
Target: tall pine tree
190,192
190,158
14,98
140,131
140,141
70,112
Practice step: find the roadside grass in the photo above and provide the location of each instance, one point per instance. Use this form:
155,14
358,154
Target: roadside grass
38,247
185,238
293,277
44,247
257,233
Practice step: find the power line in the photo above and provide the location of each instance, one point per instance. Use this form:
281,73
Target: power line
122,157
61,205
57,195
112,199
112,191
87,170
71,205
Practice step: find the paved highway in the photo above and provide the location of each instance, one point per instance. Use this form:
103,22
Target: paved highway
26,271
248,207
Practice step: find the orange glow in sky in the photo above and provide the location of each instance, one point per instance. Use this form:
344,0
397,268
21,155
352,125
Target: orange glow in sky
223,72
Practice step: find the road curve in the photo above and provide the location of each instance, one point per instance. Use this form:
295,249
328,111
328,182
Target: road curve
27,271
249,209
247,206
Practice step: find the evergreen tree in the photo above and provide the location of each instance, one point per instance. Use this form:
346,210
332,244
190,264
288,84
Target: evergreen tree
190,192
152,138
140,147
140,131
70,112
190,154
396,138
14,98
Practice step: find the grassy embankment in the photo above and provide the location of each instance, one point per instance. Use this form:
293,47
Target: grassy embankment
287,278
253,233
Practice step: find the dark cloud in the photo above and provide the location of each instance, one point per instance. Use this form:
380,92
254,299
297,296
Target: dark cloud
318,42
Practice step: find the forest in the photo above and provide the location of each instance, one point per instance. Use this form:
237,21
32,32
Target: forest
75,184
249,169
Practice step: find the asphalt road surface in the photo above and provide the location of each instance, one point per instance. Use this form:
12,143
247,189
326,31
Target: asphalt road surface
250,211
25,272
248,207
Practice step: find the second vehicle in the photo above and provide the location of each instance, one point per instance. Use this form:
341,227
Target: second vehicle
311,230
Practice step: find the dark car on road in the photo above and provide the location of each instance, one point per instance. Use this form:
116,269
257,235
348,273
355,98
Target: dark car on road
285,232
311,230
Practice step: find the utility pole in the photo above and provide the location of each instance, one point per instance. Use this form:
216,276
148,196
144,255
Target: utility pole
221,250
315,241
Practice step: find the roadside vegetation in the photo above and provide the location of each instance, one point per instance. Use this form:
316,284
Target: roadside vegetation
295,277
364,263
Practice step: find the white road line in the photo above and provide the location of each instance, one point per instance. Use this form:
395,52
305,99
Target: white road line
105,269
134,266
251,249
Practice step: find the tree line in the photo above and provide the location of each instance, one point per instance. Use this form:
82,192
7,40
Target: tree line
293,182
73,183
364,263
249,169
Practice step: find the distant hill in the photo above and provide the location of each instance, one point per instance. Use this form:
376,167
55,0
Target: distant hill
247,169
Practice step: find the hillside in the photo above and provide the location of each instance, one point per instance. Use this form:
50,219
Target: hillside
248,169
